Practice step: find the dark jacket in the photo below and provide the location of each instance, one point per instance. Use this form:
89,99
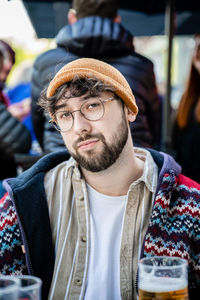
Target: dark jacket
102,39
186,143
14,138
174,226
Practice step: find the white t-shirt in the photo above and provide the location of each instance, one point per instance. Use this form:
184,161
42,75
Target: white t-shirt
106,218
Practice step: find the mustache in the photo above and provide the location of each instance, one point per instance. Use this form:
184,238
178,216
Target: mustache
86,137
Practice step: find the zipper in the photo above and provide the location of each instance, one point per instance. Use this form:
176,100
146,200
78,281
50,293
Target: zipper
136,283
25,247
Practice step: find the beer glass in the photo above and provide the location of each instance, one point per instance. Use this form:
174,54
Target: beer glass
30,287
163,278
9,287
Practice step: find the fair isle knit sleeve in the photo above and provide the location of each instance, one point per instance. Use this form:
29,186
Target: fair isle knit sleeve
174,228
12,258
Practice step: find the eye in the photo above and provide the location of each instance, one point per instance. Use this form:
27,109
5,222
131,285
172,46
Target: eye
61,115
92,105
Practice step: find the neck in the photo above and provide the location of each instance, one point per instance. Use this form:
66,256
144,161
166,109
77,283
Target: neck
115,180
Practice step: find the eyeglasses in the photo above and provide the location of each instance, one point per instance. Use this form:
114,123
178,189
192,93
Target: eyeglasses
92,110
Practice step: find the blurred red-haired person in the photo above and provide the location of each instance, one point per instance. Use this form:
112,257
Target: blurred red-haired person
186,134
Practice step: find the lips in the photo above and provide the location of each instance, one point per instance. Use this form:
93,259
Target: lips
87,144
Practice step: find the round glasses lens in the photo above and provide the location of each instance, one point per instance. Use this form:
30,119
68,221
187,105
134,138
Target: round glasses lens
64,120
92,109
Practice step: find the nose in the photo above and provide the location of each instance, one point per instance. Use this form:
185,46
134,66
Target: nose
80,123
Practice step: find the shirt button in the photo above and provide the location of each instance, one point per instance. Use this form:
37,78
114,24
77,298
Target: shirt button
83,239
78,282
81,198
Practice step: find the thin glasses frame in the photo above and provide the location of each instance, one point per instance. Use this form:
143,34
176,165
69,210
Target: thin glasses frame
102,101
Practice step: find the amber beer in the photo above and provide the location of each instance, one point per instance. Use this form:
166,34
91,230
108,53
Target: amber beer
164,290
163,278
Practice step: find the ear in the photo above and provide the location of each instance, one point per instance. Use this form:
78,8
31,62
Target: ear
52,118
130,115
72,18
117,19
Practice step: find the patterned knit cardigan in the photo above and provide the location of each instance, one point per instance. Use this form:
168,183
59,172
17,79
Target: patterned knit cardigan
174,228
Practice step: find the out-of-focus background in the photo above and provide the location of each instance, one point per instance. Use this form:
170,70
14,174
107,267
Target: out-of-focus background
29,26
163,31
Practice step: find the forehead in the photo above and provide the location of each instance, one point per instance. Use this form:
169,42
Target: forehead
68,100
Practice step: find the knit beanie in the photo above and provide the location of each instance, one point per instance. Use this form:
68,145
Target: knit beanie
89,67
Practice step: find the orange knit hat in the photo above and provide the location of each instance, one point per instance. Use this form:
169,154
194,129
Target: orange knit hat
89,67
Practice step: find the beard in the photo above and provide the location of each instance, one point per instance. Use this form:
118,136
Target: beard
96,162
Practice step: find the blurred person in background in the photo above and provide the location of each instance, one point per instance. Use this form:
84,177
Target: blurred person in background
8,60
186,131
95,31
1,60
19,93
14,136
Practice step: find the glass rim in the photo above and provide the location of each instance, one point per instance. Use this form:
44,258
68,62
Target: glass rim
37,282
10,288
183,261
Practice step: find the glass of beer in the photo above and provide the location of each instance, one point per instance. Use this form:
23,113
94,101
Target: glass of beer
163,278
29,288
9,287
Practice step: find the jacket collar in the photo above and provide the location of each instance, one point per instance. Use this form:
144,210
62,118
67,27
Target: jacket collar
94,37
165,163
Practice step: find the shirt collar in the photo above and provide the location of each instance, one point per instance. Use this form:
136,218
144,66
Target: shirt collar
150,171
149,175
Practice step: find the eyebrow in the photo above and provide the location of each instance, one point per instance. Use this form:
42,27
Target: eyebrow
64,104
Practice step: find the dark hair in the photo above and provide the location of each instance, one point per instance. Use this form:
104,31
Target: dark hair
101,8
5,47
77,87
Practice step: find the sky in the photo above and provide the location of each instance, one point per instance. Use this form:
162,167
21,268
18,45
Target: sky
14,21
16,25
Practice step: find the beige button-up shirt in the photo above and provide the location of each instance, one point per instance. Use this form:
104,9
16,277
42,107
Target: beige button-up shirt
70,222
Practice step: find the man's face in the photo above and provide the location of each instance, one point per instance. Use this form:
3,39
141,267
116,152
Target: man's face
96,145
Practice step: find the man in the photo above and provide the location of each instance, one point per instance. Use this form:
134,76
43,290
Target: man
94,30
84,223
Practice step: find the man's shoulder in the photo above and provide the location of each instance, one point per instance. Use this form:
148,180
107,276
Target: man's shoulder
134,63
32,178
58,55
12,258
142,58
186,193
133,57
2,190
188,184
49,63
7,211
48,54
